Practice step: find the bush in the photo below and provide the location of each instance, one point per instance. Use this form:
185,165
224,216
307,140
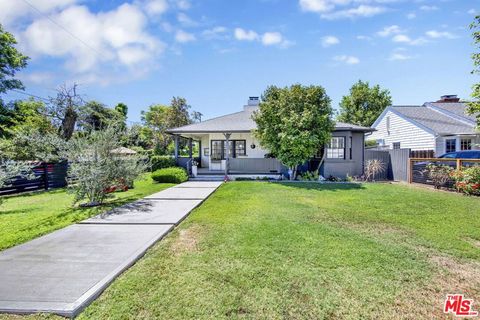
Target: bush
170,175
467,180
439,174
309,176
162,162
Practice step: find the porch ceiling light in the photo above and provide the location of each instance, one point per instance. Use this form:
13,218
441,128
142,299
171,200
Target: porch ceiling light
253,146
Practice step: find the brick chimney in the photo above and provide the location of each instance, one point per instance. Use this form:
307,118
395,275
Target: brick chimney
449,98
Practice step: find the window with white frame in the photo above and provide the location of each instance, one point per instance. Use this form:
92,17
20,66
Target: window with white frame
396,145
336,148
450,145
465,144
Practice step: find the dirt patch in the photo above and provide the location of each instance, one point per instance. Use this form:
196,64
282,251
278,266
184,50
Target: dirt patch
187,241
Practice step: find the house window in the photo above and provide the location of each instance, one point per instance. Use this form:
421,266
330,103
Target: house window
450,145
219,149
466,144
336,148
388,125
240,149
351,146
396,145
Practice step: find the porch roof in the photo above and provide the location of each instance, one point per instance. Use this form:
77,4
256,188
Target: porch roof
242,122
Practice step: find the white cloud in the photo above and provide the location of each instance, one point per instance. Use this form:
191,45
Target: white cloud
401,38
396,56
434,34
185,20
411,15
272,38
362,37
245,35
155,7
347,59
215,33
183,4
362,11
102,43
267,39
472,11
390,30
184,37
10,10
328,41
340,9
428,8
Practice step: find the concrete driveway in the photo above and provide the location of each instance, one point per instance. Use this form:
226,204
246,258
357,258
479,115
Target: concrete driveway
64,271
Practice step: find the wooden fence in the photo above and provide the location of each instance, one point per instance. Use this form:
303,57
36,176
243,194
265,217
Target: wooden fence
46,176
395,161
418,173
422,154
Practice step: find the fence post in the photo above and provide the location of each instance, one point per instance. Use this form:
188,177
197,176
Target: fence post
410,171
459,164
45,175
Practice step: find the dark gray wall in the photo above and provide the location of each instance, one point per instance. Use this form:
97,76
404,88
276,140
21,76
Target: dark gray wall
341,167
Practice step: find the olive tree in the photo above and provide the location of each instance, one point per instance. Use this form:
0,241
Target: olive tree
294,123
95,168
11,169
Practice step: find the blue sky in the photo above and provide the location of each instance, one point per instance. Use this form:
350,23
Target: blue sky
216,53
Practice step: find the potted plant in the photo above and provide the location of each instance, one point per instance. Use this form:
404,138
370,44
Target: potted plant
194,168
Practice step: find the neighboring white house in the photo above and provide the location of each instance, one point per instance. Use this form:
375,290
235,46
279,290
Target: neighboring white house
442,126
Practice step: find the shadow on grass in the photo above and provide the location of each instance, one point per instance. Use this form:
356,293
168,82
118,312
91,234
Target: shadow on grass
323,186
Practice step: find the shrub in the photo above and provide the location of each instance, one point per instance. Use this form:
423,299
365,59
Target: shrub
162,162
170,175
439,174
372,168
467,180
309,176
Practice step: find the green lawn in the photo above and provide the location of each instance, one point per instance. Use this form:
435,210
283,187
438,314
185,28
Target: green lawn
304,251
27,216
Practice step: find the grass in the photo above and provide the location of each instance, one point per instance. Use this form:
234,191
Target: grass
302,251
27,216
306,251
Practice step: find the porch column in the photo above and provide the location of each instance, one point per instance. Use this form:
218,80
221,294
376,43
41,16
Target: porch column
190,148
176,148
227,156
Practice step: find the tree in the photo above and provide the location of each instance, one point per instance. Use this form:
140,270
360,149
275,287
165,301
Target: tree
97,116
65,108
159,118
122,109
294,123
474,106
11,169
95,168
364,104
11,61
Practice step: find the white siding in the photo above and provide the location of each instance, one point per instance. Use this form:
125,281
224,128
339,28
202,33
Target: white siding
441,144
403,131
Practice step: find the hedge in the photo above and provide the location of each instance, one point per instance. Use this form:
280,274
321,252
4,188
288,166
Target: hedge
161,162
170,175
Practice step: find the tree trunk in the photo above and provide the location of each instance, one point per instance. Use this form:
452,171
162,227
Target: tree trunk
68,123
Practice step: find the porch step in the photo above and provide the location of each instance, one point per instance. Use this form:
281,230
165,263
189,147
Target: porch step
205,177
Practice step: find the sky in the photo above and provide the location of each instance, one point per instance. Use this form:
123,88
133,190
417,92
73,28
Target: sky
217,53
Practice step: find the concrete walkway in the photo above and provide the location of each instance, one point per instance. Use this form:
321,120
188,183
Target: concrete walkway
64,271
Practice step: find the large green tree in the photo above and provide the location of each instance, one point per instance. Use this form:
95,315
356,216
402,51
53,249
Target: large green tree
474,106
159,118
97,116
11,61
364,104
294,123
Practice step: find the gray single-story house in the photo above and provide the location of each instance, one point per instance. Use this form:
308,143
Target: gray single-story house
345,152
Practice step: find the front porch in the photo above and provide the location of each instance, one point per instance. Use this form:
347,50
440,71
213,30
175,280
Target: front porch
226,154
